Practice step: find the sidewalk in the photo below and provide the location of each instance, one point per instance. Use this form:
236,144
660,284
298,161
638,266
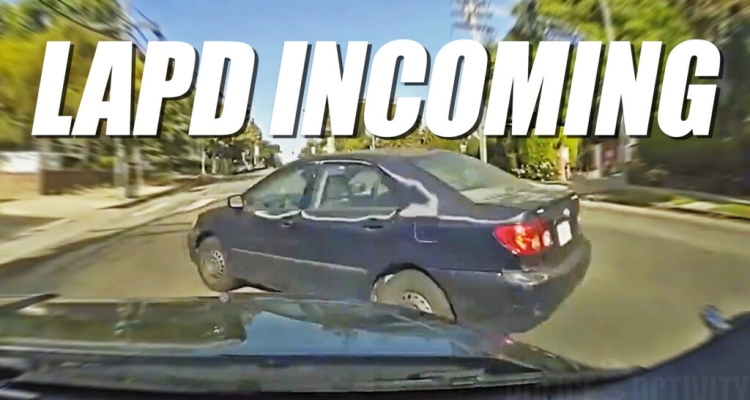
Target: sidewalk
82,203
93,215
75,205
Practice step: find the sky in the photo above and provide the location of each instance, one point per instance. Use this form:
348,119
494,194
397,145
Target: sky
266,25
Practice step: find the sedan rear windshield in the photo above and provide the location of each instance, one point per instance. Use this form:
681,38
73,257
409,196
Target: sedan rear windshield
469,175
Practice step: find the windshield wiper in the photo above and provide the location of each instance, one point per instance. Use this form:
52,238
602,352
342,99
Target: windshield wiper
19,303
451,380
480,378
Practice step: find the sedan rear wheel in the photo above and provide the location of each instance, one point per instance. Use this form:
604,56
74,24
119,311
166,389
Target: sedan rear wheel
413,289
212,267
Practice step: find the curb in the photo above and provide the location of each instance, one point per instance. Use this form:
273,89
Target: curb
144,199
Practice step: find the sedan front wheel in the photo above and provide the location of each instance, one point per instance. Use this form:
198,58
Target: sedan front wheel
212,266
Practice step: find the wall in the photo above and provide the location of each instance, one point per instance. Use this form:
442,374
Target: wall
19,186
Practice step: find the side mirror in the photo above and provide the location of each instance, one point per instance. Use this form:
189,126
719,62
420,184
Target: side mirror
236,202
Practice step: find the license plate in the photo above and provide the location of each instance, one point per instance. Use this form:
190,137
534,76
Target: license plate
563,233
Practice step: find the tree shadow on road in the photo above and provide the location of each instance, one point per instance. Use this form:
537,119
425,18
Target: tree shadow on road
23,265
167,232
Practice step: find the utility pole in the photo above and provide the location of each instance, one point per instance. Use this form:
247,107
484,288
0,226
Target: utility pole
135,164
471,15
330,141
121,166
622,138
373,140
606,16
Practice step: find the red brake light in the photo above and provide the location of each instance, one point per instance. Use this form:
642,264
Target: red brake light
525,238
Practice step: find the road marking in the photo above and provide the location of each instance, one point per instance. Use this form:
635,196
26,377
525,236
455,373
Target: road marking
196,205
150,209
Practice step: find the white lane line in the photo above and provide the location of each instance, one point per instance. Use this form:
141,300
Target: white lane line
151,209
196,205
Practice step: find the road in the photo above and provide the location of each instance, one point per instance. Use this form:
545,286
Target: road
639,304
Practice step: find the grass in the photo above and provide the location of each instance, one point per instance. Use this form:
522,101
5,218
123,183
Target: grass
735,210
639,198
645,198
681,200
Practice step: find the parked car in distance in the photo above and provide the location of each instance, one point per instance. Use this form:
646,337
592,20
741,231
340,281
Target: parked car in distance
428,229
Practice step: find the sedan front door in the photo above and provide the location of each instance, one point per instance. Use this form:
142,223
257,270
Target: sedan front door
260,246
349,233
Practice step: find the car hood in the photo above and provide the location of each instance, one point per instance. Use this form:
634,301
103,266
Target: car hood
250,324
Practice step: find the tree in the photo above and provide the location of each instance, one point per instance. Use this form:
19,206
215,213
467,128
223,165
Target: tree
671,22
361,140
20,71
311,148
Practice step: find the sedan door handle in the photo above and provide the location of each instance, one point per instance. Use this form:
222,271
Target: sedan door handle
372,227
287,224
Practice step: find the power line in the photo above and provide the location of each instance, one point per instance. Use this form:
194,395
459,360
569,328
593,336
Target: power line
74,20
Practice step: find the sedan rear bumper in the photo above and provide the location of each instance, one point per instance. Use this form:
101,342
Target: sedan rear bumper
514,301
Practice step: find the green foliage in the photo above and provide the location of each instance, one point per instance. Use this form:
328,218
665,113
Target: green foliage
541,171
670,22
25,29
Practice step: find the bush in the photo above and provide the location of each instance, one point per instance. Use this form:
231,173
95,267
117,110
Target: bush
106,162
544,171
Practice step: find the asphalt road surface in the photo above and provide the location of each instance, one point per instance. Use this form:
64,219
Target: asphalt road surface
639,304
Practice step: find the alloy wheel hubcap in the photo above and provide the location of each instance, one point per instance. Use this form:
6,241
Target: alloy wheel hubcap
213,264
416,301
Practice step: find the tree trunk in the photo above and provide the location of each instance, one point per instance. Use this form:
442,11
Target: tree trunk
138,164
203,159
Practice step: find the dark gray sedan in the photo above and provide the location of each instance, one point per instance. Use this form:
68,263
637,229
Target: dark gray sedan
433,230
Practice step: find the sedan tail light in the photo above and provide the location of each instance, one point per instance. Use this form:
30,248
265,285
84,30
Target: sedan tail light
526,238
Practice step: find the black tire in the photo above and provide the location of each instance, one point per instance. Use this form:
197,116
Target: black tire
215,275
410,288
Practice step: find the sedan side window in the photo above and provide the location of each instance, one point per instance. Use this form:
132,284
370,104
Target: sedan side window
289,190
355,186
